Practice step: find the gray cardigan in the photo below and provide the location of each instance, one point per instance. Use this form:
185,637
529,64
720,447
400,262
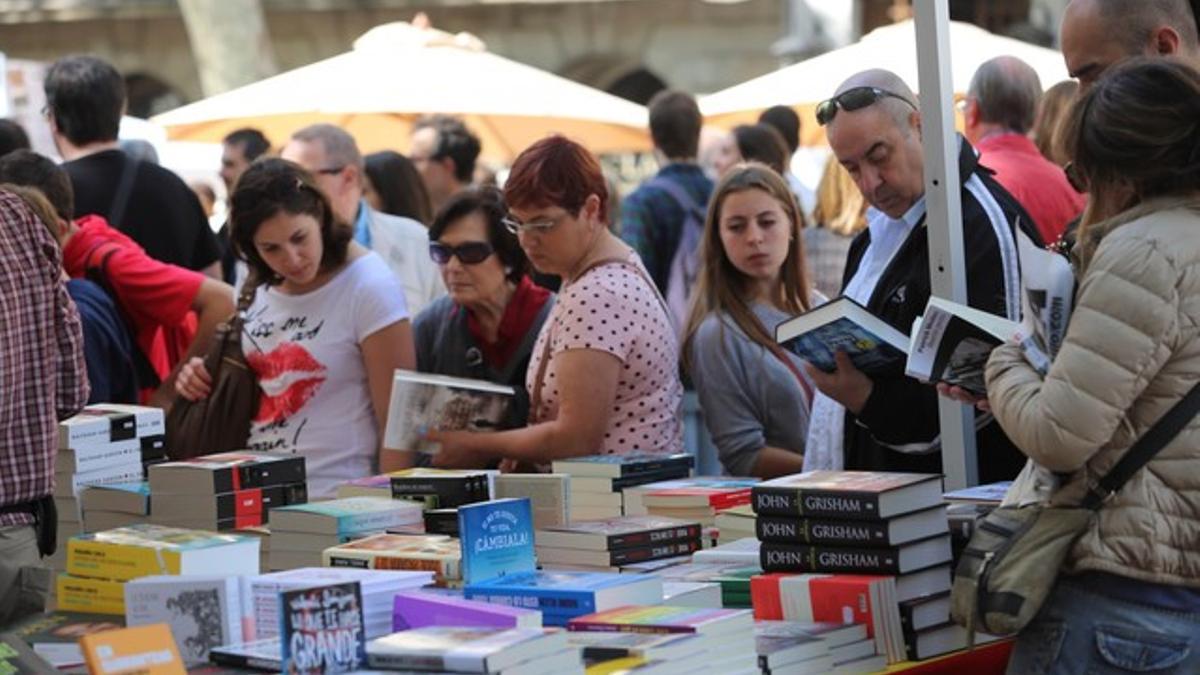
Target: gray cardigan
750,399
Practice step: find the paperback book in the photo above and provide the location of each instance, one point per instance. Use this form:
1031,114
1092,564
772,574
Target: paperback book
144,649
549,495
615,466
226,472
665,619
323,629
463,649
203,611
419,609
497,539
618,533
424,401
141,550
852,495
435,553
563,595
17,658
625,556
843,325
345,516
951,343
105,423
132,498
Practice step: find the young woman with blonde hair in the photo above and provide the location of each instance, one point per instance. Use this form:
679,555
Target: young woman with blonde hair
755,396
839,215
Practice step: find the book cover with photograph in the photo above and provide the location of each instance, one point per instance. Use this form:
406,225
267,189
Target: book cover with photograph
322,629
951,343
844,325
425,401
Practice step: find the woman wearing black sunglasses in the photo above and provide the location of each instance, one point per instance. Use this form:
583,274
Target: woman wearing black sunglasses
486,326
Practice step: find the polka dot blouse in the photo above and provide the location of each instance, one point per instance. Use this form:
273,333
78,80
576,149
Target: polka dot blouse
611,308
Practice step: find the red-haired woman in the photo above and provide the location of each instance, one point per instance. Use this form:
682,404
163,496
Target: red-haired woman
603,377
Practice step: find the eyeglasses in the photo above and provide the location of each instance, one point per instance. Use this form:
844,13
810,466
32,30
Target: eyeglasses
854,99
470,253
539,226
331,171
1075,177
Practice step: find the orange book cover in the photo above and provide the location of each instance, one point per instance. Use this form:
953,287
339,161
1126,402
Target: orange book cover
146,650
765,597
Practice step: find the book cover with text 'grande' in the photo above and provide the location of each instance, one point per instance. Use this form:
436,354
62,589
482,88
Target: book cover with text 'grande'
323,629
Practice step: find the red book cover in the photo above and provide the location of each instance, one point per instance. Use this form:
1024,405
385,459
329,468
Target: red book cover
765,597
718,498
844,598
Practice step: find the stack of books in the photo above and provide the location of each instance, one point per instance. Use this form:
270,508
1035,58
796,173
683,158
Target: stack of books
483,650
225,491
604,544
203,611
736,523
442,488
597,481
435,553
743,552
733,579
695,503
611,651
549,495
417,609
966,507
108,506
262,613
99,564
634,494
799,648
104,444
728,634
301,533
873,532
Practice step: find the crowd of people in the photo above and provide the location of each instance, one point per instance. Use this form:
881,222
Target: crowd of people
112,277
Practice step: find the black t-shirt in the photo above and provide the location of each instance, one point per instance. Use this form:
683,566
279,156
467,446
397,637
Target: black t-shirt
162,214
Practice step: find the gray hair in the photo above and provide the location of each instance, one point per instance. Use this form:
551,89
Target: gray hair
1006,91
340,147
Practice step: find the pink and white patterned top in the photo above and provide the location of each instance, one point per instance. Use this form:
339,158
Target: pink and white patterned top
613,309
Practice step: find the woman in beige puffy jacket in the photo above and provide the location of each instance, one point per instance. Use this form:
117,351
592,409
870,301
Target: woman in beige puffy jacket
1128,598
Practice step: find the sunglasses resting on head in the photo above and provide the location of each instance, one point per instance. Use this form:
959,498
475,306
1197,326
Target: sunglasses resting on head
854,99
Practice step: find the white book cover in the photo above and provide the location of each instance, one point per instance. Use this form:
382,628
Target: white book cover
549,495
107,422
463,649
203,611
740,551
126,473
100,456
425,401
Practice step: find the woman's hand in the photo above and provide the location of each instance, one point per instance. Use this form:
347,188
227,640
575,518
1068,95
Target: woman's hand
963,396
455,452
194,382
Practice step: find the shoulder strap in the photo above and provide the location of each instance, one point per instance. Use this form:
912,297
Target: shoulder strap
1159,435
681,196
116,210
805,386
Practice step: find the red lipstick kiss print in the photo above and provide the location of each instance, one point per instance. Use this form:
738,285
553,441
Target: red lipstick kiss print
289,377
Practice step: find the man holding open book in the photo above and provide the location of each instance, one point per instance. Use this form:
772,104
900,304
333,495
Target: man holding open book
887,421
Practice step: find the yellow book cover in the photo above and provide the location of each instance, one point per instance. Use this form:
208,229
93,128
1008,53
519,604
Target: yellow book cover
91,596
93,558
145,650
616,666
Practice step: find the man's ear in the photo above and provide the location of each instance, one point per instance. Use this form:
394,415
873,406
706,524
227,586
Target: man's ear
1165,41
448,164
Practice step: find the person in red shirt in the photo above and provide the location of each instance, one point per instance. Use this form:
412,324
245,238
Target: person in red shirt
172,312
1000,106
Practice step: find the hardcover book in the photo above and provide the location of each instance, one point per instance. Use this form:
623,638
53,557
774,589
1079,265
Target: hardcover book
436,553
852,495
140,550
897,530
951,343
424,401
203,611
562,595
843,325
497,539
144,649
617,533
615,466
463,649
941,639
900,559
104,423
924,612
345,516
417,609
666,619
226,472
323,630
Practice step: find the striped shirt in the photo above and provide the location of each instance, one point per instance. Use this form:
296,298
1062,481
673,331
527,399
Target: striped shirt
43,378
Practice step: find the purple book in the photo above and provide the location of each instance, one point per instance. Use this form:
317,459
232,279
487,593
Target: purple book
414,609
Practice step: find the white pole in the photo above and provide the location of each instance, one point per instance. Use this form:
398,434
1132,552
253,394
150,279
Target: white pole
943,203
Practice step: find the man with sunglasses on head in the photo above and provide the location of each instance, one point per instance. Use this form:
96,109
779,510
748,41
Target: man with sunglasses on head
331,155
890,422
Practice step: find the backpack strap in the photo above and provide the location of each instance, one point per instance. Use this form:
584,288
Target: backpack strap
116,210
147,377
679,195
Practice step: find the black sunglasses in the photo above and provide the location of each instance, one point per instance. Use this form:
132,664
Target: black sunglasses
470,253
854,99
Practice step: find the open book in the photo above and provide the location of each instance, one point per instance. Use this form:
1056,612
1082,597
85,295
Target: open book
421,401
844,325
951,344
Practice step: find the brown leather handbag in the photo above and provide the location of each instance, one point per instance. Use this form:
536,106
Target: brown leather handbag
220,422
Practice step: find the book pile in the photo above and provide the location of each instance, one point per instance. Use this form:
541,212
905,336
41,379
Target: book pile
603,544
203,611
477,649
104,444
634,494
695,503
727,645
225,491
733,579
736,523
966,507
549,495
744,552
261,595
597,481
862,541
108,506
609,652
99,564
435,553
300,533
417,609
797,648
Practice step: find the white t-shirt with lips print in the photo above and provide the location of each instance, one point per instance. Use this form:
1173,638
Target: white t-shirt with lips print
305,351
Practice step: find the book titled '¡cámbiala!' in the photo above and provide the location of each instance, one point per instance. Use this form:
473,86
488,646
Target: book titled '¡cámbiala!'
423,401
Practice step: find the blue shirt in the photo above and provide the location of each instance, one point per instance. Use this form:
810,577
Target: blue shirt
652,222
362,224
107,347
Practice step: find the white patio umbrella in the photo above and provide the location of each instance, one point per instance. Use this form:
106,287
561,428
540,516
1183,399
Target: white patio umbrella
803,85
397,73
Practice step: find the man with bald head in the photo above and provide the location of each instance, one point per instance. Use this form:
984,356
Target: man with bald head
1098,33
1000,105
890,422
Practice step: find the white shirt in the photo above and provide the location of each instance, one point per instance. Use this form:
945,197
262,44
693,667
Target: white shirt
305,350
403,244
826,428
